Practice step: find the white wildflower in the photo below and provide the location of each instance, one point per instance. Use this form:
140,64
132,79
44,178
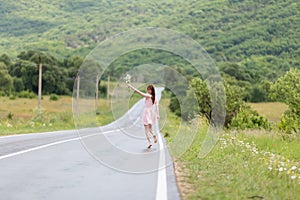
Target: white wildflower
272,155
265,153
270,168
293,168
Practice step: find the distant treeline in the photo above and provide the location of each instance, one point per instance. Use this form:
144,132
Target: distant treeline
255,77
241,84
22,73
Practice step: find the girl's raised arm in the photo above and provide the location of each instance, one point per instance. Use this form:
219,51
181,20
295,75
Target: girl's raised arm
139,92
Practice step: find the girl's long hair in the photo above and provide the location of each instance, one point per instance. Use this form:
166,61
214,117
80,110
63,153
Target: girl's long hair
151,87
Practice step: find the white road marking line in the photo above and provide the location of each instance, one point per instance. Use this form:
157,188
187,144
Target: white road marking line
161,190
52,144
36,148
31,134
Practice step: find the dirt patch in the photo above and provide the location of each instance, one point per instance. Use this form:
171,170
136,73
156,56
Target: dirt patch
181,171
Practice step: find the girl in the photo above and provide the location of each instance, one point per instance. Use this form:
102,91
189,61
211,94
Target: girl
148,117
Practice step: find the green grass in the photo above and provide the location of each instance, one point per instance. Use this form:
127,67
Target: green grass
234,171
21,116
38,123
287,146
243,165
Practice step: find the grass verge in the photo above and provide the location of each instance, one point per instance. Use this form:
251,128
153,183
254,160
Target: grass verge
243,165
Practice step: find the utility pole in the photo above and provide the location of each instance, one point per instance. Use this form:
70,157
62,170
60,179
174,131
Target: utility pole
40,85
77,95
108,89
97,92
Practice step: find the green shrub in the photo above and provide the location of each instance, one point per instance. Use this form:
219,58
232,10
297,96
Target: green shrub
54,97
102,90
26,94
12,97
10,116
249,119
2,94
289,122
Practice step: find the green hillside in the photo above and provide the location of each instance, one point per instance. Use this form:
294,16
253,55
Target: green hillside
252,41
229,30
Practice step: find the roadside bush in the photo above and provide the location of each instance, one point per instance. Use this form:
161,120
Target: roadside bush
247,118
54,97
289,122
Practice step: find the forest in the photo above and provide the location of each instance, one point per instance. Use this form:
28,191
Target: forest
255,44
252,41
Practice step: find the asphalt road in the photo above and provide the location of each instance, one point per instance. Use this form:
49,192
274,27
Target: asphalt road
109,162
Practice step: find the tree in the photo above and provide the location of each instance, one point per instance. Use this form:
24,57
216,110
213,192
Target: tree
236,71
18,84
203,96
287,90
54,80
6,81
73,62
34,56
5,59
258,94
233,101
27,72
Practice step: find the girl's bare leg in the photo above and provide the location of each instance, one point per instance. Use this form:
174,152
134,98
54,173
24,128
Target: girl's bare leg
152,133
147,130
